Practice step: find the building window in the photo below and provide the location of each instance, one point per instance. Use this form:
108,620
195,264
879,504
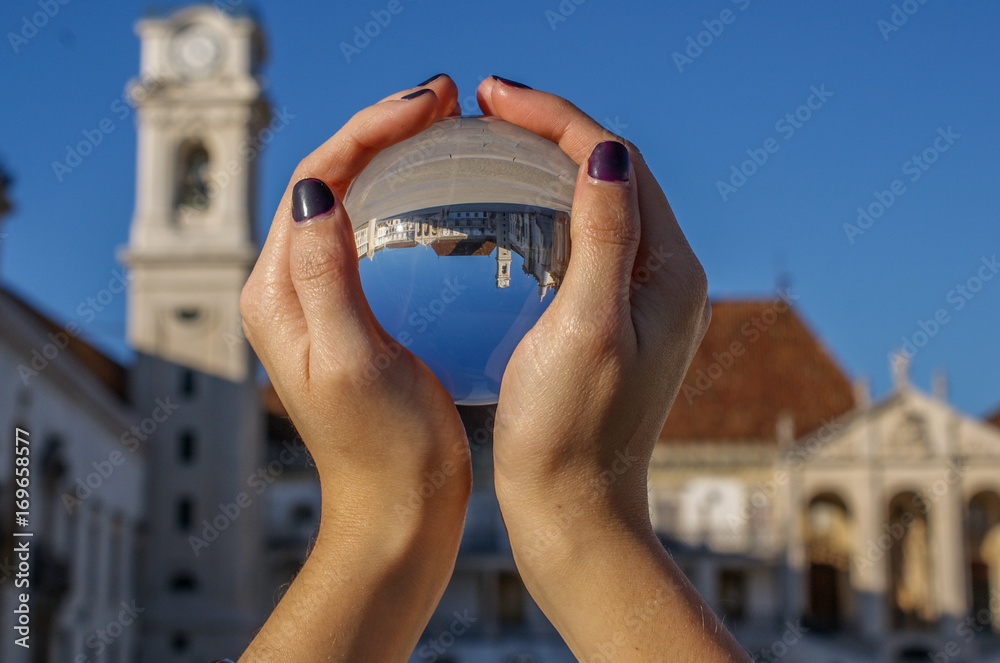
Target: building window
186,447
180,641
732,594
303,514
183,581
185,513
187,313
187,387
510,599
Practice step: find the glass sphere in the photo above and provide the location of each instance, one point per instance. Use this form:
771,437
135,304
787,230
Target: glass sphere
462,234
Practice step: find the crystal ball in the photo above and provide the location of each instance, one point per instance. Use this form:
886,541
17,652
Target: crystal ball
462,234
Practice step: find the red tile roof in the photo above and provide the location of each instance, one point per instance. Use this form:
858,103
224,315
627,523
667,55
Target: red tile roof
994,418
781,367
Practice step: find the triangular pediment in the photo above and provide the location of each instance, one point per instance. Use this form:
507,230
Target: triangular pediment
906,426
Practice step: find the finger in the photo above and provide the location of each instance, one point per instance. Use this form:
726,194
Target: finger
323,265
339,160
604,231
444,88
665,261
545,114
269,290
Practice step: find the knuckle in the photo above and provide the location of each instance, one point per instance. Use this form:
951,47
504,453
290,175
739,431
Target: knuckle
248,332
315,264
693,295
596,335
305,166
368,369
258,306
614,226
248,306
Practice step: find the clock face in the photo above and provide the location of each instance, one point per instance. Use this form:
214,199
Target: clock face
196,51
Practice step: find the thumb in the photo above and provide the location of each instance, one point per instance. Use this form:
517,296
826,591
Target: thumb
323,263
604,228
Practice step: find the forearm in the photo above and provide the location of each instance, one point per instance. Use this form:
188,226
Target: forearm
614,593
369,586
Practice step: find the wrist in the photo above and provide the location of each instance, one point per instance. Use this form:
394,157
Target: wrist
397,510
548,539
562,508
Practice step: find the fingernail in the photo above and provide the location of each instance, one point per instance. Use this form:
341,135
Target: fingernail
609,162
507,81
414,95
432,78
310,198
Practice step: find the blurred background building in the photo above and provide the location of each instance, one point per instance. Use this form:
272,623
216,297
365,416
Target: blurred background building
172,501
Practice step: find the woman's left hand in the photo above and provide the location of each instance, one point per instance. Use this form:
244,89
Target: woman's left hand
388,443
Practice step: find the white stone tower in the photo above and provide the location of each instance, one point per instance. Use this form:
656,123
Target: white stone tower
199,111
199,108
503,267
503,252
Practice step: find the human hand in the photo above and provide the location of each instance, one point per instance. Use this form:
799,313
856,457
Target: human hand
375,419
585,395
587,390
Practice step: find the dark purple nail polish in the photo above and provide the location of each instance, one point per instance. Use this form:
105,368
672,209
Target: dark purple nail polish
507,81
609,162
310,198
432,78
414,95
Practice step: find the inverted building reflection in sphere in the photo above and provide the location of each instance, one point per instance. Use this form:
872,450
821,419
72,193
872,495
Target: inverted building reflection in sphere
462,235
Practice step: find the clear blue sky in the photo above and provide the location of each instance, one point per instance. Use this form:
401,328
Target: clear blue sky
615,60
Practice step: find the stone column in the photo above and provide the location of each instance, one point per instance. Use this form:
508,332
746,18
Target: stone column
795,549
869,568
948,545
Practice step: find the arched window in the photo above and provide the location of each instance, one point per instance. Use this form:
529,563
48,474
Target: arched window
192,177
828,529
183,581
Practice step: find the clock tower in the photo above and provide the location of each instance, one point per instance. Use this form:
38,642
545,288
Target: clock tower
191,247
200,112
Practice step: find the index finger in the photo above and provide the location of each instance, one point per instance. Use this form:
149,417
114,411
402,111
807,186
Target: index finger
345,154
